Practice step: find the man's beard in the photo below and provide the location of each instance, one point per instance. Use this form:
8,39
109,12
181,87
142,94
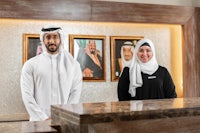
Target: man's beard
92,52
52,50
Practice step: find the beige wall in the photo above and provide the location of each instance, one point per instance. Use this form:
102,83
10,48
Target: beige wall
165,38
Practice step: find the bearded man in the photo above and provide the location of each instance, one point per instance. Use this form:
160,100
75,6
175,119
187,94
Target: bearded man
52,77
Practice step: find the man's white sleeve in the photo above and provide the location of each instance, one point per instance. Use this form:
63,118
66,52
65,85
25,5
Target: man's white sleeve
27,89
75,92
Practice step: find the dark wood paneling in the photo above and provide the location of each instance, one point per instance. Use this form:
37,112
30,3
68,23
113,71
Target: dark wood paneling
191,55
47,9
92,10
142,13
189,58
197,52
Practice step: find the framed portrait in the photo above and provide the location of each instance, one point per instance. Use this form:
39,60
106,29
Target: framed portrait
89,51
116,42
31,46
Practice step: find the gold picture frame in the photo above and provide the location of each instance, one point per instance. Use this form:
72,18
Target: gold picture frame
31,43
115,45
92,62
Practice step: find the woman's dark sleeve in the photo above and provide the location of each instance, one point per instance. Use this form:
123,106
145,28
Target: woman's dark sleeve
169,87
123,85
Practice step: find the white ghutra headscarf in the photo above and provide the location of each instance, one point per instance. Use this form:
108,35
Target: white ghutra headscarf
52,29
137,67
125,63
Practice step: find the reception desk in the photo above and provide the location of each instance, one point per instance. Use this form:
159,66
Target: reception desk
180,115
28,127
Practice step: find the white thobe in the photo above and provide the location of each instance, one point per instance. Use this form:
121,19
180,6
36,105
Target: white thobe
50,79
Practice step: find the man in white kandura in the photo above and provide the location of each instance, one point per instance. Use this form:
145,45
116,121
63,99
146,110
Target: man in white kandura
53,77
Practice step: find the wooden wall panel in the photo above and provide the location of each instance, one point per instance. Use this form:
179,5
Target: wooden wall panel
191,56
142,13
48,9
197,52
93,10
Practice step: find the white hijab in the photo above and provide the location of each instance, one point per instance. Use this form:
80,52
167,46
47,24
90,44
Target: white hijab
137,67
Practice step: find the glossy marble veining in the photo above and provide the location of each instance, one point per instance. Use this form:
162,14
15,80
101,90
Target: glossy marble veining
27,127
140,115
180,115
129,106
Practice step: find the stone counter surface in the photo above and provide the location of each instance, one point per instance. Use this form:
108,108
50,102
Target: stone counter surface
180,115
27,127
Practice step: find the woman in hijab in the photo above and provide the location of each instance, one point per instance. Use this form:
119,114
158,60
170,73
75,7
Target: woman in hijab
147,79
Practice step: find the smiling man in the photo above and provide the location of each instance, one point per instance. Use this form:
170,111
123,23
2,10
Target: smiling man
53,77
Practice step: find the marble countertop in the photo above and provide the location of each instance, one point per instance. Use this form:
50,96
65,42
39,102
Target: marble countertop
128,110
26,126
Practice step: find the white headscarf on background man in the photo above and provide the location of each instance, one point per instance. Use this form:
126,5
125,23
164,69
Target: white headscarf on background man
125,63
137,67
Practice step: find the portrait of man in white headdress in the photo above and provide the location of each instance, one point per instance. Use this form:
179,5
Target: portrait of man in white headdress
124,54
